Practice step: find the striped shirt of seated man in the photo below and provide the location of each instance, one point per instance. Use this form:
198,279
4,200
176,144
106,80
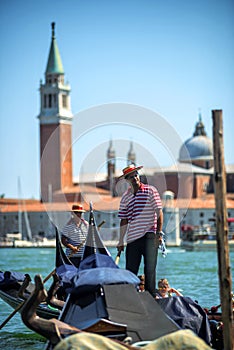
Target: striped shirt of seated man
74,234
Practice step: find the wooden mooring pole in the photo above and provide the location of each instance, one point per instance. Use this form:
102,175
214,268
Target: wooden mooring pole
225,279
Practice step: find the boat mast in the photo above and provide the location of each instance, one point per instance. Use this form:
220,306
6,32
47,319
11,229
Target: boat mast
21,203
28,228
225,279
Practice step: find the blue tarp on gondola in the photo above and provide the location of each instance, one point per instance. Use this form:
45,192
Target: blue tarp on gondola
8,278
188,315
66,274
96,269
97,260
104,276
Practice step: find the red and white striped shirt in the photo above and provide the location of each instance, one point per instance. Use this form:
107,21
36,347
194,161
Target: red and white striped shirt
140,211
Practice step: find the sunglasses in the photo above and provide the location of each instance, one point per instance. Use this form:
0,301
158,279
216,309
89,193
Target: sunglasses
130,177
164,287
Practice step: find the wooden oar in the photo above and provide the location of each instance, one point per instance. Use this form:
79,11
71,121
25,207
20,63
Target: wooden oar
118,257
45,280
12,314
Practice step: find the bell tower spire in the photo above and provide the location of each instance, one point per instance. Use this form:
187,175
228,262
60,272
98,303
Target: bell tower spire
55,125
111,160
131,156
54,64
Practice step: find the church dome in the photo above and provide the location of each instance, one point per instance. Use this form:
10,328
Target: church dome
197,148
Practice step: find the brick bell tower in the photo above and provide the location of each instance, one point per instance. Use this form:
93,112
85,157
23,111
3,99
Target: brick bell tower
55,127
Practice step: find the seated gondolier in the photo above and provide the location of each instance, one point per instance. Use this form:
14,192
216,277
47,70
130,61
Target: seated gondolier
142,219
74,235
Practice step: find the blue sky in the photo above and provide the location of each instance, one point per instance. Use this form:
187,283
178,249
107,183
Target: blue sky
174,57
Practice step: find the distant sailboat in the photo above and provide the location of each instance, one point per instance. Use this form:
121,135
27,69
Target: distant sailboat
22,204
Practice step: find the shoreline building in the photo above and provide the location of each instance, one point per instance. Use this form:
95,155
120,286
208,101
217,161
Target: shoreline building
185,187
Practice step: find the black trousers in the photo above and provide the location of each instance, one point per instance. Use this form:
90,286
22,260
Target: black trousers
146,246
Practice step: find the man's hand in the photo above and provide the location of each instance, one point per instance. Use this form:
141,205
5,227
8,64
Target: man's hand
160,239
120,247
160,235
74,249
123,229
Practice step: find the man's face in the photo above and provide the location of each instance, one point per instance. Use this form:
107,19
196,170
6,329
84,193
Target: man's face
133,178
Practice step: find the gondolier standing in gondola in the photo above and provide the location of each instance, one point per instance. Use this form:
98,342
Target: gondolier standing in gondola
141,217
74,235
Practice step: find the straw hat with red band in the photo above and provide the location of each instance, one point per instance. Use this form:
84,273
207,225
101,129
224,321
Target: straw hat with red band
130,169
78,208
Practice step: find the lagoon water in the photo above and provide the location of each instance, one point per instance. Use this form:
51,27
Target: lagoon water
194,273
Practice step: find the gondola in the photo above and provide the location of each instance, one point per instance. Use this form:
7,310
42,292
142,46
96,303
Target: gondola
104,299
16,287
12,293
10,297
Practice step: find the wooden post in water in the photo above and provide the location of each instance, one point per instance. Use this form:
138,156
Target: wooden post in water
225,280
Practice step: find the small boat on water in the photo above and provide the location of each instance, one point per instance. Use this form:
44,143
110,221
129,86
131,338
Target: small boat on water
15,240
203,238
16,287
203,243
